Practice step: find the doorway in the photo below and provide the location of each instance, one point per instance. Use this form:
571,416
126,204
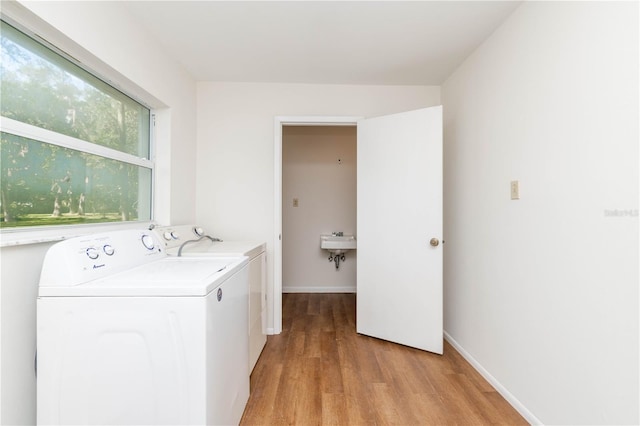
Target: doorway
319,198
279,123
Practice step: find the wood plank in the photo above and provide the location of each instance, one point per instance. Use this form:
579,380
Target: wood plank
334,409
264,389
308,398
331,374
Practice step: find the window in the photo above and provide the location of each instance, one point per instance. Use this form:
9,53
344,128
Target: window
74,149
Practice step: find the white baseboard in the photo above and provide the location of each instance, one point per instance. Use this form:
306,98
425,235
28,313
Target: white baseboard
323,289
520,408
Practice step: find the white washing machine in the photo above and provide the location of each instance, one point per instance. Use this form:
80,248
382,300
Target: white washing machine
128,335
193,241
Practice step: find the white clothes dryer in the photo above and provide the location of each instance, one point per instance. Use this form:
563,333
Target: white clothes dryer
194,241
129,335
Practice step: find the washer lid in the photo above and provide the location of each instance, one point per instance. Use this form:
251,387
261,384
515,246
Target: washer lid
171,276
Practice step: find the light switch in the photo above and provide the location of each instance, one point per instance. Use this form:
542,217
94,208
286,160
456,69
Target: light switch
515,190
295,202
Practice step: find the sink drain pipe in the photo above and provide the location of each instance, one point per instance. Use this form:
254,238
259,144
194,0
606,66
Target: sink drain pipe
337,260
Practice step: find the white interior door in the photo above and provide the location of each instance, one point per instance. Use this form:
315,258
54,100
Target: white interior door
399,272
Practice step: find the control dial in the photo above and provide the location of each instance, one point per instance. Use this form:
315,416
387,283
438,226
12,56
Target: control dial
92,252
167,236
198,231
147,241
108,249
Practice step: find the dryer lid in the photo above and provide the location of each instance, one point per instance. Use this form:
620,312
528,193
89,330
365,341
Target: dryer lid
207,247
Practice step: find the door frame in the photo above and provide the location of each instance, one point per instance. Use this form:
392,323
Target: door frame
279,122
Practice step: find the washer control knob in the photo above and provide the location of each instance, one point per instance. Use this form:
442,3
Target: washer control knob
167,236
198,231
147,241
108,249
175,235
92,253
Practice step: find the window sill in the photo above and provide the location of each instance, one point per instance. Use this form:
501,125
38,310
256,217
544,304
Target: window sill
38,235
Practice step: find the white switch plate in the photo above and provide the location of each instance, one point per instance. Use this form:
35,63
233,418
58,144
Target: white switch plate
515,190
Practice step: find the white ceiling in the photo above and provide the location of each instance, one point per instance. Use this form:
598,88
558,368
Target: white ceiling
338,42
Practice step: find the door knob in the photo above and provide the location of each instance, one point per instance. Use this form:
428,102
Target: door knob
434,242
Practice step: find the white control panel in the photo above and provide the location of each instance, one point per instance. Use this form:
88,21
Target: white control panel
174,236
82,259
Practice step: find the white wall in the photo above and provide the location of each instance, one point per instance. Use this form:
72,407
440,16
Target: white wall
98,33
319,170
235,175
543,292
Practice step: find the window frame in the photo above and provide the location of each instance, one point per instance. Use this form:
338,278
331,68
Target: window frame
49,233
39,134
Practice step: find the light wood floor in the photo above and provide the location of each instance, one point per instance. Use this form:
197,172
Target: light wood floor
320,371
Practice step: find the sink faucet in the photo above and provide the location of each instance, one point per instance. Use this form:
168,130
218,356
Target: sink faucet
338,234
